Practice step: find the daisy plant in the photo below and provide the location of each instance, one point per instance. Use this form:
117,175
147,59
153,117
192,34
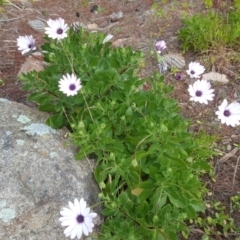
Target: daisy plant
195,69
148,165
77,218
201,91
57,29
229,114
26,44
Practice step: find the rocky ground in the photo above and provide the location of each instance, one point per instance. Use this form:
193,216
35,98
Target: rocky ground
141,23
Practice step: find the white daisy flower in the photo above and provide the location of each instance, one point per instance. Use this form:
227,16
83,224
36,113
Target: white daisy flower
160,45
201,91
57,28
229,114
195,69
69,84
77,218
107,38
26,44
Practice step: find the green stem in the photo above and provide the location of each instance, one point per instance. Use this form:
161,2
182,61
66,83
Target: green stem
70,63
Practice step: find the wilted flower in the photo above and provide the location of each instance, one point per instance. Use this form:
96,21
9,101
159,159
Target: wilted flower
229,114
26,44
160,45
77,218
195,69
201,91
179,76
69,84
107,38
57,28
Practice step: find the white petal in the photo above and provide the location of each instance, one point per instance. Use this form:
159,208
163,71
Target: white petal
77,205
72,207
85,211
83,204
70,228
85,229
67,213
79,231
74,232
71,222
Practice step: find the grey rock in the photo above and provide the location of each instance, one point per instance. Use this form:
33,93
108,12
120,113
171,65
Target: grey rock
38,175
37,25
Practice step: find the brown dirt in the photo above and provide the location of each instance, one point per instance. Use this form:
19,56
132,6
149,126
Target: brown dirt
140,27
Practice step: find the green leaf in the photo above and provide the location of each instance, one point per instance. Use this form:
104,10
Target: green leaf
109,212
146,185
176,199
38,97
55,121
93,61
47,108
142,209
146,232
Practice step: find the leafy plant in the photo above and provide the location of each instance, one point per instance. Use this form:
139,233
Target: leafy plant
211,30
208,3
148,164
235,202
202,31
217,223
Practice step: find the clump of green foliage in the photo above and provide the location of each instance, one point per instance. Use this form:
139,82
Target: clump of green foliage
210,30
217,223
148,164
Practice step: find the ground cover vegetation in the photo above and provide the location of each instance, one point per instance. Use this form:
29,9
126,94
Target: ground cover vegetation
213,34
149,166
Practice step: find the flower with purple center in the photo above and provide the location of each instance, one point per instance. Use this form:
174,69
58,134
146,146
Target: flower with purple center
57,28
201,92
77,218
160,45
26,44
229,114
70,84
179,76
195,69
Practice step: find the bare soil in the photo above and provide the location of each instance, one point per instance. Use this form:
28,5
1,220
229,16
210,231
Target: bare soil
139,28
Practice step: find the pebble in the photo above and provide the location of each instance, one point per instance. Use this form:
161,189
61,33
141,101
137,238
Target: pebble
229,147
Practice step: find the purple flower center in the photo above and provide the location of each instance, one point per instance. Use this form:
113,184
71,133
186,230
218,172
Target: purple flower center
59,31
30,46
198,93
226,113
80,218
192,72
72,87
179,76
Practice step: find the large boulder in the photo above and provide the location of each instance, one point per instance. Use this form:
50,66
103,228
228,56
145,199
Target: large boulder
38,175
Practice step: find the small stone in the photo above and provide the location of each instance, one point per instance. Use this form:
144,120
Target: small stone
119,42
215,77
114,17
77,25
229,147
31,64
103,24
174,60
37,25
92,26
